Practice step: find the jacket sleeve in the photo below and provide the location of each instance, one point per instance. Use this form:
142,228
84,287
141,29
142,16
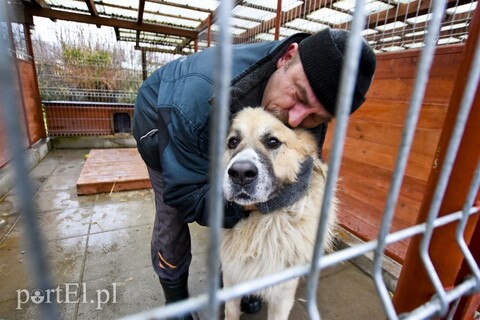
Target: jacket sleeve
185,166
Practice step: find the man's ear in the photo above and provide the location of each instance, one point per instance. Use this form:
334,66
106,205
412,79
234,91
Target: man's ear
288,55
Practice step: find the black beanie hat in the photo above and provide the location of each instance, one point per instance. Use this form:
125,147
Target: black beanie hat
322,55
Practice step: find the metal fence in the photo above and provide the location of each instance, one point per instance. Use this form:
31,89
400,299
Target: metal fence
439,303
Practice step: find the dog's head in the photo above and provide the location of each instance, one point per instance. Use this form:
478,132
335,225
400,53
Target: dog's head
262,155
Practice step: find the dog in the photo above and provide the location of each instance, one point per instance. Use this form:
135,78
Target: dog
277,170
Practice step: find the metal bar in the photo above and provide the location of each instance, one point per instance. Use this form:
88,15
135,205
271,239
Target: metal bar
209,31
144,65
434,306
452,310
347,83
447,168
426,61
10,107
335,258
222,77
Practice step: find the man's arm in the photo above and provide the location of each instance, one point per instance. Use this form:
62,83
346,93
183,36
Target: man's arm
185,165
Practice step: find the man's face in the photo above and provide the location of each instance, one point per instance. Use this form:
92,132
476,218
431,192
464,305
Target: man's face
289,96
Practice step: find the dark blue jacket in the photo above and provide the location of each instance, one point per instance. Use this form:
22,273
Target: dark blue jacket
172,113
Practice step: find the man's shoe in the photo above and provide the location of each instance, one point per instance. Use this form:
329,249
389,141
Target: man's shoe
251,304
175,291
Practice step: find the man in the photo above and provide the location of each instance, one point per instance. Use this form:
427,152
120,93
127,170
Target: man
297,79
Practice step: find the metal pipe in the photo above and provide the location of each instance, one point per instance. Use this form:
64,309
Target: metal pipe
9,101
434,306
222,78
347,83
421,80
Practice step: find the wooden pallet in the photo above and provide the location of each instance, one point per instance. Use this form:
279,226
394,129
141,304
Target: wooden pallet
112,170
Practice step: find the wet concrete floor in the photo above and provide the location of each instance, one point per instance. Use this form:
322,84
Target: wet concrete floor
98,249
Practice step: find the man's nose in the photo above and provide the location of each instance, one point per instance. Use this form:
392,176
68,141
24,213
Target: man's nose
297,114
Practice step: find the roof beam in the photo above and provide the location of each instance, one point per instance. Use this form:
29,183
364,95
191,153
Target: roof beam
111,22
92,9
40,3
141,8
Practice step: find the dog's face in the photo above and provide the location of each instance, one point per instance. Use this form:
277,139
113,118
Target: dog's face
262,155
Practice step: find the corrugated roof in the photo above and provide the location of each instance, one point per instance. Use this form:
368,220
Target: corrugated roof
181,26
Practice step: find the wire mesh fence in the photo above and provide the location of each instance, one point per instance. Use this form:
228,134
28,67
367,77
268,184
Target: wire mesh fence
87,94
443,300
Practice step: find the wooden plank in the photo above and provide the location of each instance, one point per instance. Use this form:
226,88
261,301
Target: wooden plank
385,157
376,195
375,191
111,170
438,89
31,98
394,112
425,140
356,216
404,64
411,188
83,119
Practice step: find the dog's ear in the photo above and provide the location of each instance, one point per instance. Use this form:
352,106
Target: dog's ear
306,143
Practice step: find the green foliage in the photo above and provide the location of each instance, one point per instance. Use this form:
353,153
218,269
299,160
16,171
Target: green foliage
87,73
86,57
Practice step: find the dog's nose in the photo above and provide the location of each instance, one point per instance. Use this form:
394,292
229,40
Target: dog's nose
243,172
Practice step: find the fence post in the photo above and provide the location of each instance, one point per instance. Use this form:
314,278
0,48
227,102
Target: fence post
414,287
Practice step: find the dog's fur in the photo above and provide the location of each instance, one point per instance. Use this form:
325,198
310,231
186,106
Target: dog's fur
267,243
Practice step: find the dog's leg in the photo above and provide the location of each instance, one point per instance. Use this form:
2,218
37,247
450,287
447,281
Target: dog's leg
281,300
232,307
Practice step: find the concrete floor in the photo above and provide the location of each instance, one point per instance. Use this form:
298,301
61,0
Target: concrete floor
100,244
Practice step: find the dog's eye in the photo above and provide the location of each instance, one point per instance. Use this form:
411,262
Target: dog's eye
273,143
233,143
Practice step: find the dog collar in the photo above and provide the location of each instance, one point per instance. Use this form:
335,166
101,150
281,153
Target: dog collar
290,193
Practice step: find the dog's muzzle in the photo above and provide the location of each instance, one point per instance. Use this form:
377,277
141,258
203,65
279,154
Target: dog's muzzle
243,172
247,179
